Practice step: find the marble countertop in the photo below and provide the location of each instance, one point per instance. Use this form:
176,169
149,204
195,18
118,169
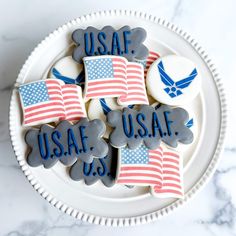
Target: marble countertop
23,24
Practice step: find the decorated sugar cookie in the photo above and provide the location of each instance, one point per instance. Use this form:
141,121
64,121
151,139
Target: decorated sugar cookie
173,80
103,169
149,126
66,143
42,148
114,76
160,168
51,100
124,42
69,71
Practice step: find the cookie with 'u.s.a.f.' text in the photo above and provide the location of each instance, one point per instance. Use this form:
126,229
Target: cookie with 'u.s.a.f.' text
66,143
124,42
149,126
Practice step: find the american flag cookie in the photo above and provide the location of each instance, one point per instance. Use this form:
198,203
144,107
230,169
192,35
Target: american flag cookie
160,168
114,76
51,100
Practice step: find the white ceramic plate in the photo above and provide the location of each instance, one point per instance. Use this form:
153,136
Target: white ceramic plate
119,205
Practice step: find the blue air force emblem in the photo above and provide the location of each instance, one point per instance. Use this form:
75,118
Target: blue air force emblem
174,89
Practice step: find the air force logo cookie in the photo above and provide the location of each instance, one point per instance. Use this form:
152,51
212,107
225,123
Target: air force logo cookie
173,80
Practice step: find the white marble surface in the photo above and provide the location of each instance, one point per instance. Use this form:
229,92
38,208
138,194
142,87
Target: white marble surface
25,23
